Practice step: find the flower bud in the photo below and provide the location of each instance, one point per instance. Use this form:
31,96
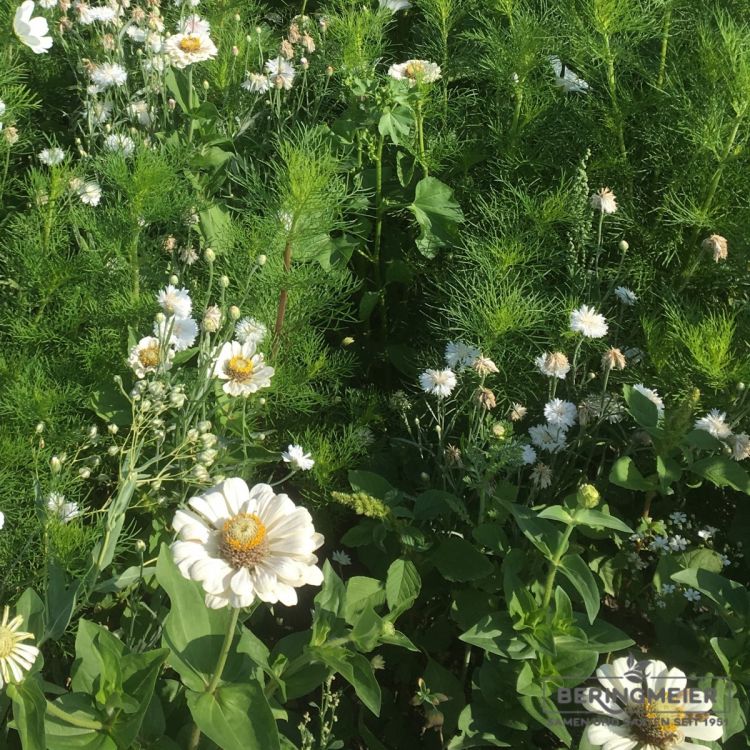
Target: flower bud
93,432
113,429
55,465
211,319
424,476
40,428
623,245
224,282
262,260
209,255
234,312
588,496
113,450
140,546
204,426
347,341
235,51
262,401
171,103
206,85
193,435
173,279
84,472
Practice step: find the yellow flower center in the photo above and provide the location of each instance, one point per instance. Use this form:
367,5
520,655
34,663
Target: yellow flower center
7,642
240,368
243,540
414,69
149,357
656,723
190,43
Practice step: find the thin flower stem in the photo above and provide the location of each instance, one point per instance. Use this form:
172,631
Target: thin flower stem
612,84
75,721
664,46
554,565
283,298
420,134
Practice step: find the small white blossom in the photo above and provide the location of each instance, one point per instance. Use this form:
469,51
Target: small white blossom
528,455
560,413
677,543
587,321
714,423
340,557
51,156
625,295
459,355
692,595
296,457
439,383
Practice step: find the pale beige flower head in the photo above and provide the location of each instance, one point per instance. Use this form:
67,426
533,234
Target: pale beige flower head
604,200
415,71
486,398
517,412
717,246
485,366
613,359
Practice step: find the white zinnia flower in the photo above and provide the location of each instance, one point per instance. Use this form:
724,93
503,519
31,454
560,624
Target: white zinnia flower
625,295
565,78
243,369
51,156
439,383
31,31
652,396
193,24
187,49
395,5
257,83
108,74
415,71
244,544
587,321
280,73
121,144
90,193
553,365
714,423
340,557
528,455
297,458
250,330
16,657
182,332
63,510
460,355
175,301
550,438
560,413
654,706
149,356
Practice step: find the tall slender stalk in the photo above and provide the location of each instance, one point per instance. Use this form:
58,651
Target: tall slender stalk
664,46
283,297
554,565
612,85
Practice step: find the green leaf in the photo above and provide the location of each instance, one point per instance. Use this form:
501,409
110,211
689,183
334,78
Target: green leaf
29,706
356,670
31,608
543,535
215,225
367,305
492,633
595,519
371,483
556,513
603,637
642,409
362,592
367,630
236,717
438,504
577,572
329,605
459,560
625,474
178,85
60,602
396,123
402,586
437,214
703,439
668,471
547,714
64,736
723,472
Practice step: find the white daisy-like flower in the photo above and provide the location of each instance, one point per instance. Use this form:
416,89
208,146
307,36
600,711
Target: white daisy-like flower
553,365
714,423
541,475
51,156
296,457
460,355
340,557
136,33
193,24
677,517
652,396
88,14
415,71
120,144
625,295
439,383
256,83
250,330
90,193
560,413
587,321
98,112
528,455
31,30
140,112
547,437
659,544
678,543
182,332
175,301
243,544
108,74
281,73
725,561
517,412
740,443
395,5
64,511
3,108
692,596
668,588
148,355
243,369
654,706
565,78
16,657
604,200
188,49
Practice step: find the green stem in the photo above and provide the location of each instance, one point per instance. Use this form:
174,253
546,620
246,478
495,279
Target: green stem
554,565
75,721
664,46
283,298
420,134
612,84
135,271
191,124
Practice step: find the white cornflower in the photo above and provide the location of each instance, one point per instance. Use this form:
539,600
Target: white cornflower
460,355
740,443
108,74
668,588
88,14
90,193
565,78
659,544
243,369
296,457
121,144
140,112
439,383
415,71
250,330
655,708
182,332
280,73
99,112
31,31
395,5
188,255
553,365
175,301
193,24
187,49
256,83
560,413
652,396
517,412
63,510
549,438
541,475
714,423
485,366
693,596
677,518
16,657
149,356
51,156
604,200
137,34
528,455
625,295
47,4
340,557
244,544
588,322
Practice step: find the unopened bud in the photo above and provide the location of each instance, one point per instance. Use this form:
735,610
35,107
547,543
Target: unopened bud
209,255
40,428
424,476
113,450
623,245
235,51
204,426
113,429
347,341
84,473
234,312
140,546
174,279
262,260
224,282
55,464
206,85
588,496
171,103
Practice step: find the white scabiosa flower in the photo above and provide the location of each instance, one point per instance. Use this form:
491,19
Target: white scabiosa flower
547,437
108,74
31,30
565,78
90,193
714,423
243,544
16,657
553,365
175,301
242,368
148,355
415,71
256,83
740,443
177,332
528,455
88,14
560,413
653,705
188,49
460,355
604,200
250,330
652,396
439,383
395,5
280,73
296,457
119,144
625,296
51,156
58,507
587,321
